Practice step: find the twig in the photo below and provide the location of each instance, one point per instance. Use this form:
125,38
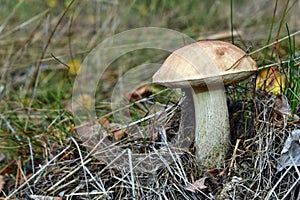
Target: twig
281,21
11,129
233,156
67,176
297,181
131,174
82,163
277,183
273,43
31,155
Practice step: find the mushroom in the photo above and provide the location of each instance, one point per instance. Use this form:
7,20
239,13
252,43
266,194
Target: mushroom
205,67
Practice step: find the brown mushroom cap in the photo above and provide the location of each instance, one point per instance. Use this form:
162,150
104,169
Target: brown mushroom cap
204,62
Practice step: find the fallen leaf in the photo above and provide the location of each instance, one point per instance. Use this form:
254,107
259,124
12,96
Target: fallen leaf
290,154
113,128
103,121
197,185
2,182
118,135
271,80
282,107
138,93
214,172
74,66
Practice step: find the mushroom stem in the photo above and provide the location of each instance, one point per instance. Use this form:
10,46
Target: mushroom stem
211,125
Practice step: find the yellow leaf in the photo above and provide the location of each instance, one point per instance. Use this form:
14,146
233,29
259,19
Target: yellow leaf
271,80
26,101
74,66
51,3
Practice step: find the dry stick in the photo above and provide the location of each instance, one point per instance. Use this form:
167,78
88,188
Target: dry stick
291,188
108,165
23,174
273,43
67,176
37,173
256,115
31,155
87,170
82,163
276,64
233,156
272,23
277,183
12,130
37,71
131,173
281,22
18,173
100,185
80,194
297,181
69,184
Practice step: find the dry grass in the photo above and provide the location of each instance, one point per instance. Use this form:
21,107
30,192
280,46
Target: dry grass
251,170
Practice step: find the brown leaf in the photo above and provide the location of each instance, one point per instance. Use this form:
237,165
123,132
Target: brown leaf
214,172
282,107
113,129
103,121
138,93
197,185
2,182
118,135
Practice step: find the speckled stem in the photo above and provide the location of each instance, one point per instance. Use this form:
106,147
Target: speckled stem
212,126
